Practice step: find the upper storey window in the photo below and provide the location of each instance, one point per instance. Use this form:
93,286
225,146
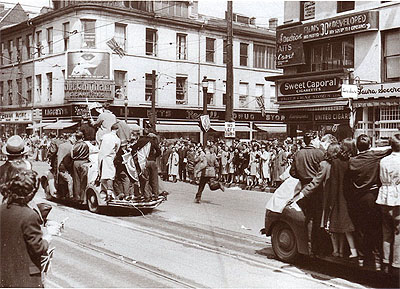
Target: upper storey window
343,6
89,33
391,55
307,10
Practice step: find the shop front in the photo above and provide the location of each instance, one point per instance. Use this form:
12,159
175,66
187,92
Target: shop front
15,122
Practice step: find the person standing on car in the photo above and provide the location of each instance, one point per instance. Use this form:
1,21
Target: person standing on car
365,213
108,150
389,201
80,156
104,122
208,173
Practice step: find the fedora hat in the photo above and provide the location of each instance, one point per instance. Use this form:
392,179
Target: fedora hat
15,146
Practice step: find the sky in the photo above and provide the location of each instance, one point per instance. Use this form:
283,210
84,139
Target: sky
262,10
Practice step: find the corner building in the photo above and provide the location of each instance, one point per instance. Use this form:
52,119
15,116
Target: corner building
325,44
106,51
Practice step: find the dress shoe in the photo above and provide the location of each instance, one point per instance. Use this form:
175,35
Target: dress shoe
197,201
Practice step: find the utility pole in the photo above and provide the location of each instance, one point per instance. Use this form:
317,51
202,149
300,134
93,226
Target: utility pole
229,65
153,100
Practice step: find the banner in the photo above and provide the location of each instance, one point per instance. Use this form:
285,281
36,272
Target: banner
205,122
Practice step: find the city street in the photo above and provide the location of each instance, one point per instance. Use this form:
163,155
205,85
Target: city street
182,244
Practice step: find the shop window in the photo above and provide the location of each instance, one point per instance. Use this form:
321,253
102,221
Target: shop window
148,87
307,10
29,46
120,84
391,55
49,77
244,54
210,49
151,42
343,6
89,33
211,92
38,43
181,43
243,95
120,35
29,89
181,90
66,35
329,55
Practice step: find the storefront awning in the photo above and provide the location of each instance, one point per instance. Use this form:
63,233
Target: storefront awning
36,125
177,128
60,125
270,128
377,102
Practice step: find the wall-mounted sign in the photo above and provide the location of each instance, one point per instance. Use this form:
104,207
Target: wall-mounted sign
88,64
331,116
91,89
342,25
289,46
308,85
379,90
349,91
16,116
310,96
308,10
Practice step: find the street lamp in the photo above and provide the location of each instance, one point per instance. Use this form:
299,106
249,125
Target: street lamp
126,108
204,84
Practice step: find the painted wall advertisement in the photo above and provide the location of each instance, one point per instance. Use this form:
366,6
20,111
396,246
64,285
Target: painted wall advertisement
289,46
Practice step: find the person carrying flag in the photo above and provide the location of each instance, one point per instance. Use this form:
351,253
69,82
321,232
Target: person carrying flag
148,166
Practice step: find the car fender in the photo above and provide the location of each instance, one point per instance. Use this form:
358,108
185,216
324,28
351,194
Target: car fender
101,201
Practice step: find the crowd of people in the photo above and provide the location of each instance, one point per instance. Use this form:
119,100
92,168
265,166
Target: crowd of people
350,191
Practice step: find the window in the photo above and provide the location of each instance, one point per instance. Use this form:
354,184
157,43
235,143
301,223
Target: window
141,5
50,39
391,55
1,53
174,8
243,54
39,43
181,90
89,33
10,92
19,91
148,91
66,35
243,95
343,6
271,57
120,35
49,77
151,42
272,94
120,84
210,49
29,89
224,93
307,10
38,84
19,48
29,46
10,51
225,52
2,93
260,93
259,56
211,92
333,55
181,46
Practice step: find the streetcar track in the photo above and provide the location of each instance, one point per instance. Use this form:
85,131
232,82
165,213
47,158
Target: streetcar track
306,274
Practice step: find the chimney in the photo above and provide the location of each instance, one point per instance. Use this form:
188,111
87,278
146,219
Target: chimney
273,23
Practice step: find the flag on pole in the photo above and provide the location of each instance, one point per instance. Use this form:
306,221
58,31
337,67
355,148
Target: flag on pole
261,104
113,44
143,154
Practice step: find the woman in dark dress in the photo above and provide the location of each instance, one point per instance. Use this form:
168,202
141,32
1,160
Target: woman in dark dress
337,219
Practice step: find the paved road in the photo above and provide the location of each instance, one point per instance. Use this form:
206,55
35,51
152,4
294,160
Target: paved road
183,244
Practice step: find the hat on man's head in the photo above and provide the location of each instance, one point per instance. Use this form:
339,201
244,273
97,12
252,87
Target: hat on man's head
14,146
94,105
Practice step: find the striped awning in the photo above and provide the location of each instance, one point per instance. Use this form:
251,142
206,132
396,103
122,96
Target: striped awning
60,125
377,102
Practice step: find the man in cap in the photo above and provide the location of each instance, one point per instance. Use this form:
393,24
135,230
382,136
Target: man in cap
104,121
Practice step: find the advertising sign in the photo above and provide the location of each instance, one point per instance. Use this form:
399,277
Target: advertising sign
342,25
92,89
379,90
88,64
326,84
16,116
289,46
230,130
349,91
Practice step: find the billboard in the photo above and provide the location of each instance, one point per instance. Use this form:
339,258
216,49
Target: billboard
88,64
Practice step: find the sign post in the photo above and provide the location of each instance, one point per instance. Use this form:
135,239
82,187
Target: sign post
230,130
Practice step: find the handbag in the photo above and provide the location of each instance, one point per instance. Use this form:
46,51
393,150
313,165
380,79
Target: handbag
209,172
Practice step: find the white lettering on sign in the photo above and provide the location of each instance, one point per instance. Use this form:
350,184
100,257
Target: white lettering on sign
349,91
230,130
